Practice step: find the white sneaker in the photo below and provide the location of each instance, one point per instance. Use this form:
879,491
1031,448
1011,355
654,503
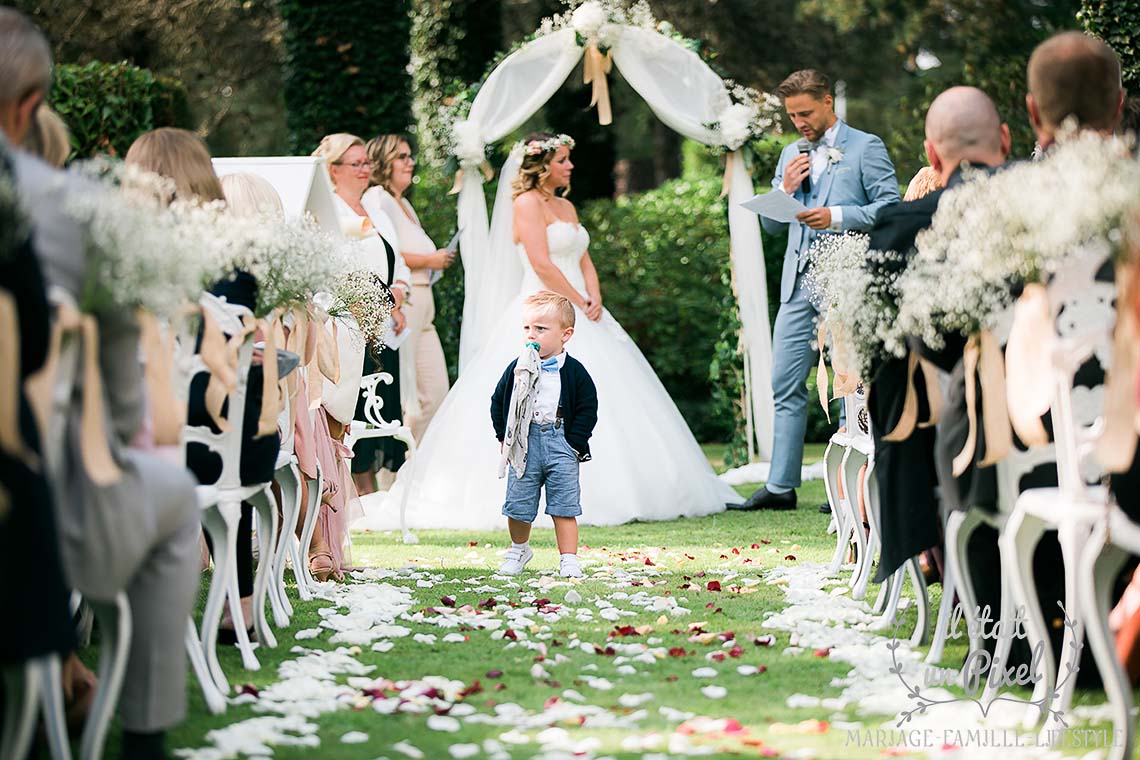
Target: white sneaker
515,560
570,568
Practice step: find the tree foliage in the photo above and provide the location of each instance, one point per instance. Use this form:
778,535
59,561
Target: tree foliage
106,106
345,69
984,43
1117,22
226,54
451,44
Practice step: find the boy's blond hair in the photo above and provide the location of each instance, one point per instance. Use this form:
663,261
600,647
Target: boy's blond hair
551,303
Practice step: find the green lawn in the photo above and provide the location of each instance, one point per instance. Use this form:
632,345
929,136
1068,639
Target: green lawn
686,554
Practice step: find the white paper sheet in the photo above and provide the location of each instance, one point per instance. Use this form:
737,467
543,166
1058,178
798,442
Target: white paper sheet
775,205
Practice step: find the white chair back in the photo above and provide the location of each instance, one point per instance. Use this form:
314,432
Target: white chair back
227,444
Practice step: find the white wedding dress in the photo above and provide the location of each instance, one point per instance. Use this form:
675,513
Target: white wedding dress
646,464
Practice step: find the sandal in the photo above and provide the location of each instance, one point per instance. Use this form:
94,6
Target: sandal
321,567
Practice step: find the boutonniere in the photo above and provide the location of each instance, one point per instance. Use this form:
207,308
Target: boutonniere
834,156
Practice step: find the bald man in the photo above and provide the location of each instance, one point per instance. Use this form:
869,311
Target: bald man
962,126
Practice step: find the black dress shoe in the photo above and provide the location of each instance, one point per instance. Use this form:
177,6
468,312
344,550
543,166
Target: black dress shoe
765,499
825,508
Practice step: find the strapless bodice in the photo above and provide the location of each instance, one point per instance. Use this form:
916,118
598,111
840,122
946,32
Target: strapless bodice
566,242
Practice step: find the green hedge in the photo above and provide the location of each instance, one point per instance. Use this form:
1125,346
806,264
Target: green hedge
346,68
108,105
1117,22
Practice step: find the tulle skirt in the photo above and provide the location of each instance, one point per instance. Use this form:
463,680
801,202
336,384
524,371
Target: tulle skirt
646,464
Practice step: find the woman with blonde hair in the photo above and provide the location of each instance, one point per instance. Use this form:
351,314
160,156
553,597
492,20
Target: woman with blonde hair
423,369
181,157
644,462
49,138
349,170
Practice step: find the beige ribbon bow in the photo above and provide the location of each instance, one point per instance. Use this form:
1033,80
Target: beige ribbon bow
457,185
908,420
983,358
1116,446
595,67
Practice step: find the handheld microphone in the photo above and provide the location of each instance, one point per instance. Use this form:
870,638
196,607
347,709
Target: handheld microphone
805,150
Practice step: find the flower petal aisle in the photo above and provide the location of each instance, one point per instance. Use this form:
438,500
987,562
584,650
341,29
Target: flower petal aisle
706,647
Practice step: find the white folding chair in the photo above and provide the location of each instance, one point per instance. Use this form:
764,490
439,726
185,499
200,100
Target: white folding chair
33,687
1084,318
220,503
114,614
375,426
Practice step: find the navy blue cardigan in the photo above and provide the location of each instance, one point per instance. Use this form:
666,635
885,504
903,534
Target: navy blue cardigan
578,402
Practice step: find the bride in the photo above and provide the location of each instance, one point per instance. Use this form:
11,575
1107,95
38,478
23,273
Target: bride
646,464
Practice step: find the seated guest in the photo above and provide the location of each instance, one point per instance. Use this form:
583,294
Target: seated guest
28,537
49,137
181,157
962,125
423,370
138,534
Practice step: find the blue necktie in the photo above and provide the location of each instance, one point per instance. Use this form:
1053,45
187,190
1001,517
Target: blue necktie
550,365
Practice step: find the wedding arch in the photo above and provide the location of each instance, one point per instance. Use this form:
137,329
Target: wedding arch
684,93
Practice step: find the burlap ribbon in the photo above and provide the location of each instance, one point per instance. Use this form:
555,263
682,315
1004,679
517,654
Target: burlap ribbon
1116,447
221,358
95,450
322,353
11,441
1029,364
846,381
167,412
457,185
908,420
983,359
595,67
267,420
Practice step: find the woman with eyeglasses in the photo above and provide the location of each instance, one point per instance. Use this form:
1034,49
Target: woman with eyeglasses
350,171
423,370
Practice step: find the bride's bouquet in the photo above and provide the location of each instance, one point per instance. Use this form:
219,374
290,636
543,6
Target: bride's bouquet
361,294
996,232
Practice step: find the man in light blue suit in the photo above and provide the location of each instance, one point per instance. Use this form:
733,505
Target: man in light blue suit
844,177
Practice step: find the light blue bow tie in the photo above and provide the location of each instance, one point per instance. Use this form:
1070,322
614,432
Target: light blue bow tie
550,365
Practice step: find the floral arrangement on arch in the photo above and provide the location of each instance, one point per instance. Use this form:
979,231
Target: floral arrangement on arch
595,22
746,114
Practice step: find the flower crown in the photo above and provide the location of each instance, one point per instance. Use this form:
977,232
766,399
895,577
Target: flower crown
538,147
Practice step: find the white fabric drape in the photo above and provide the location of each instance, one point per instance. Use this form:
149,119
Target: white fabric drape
514,92
751,287
686,95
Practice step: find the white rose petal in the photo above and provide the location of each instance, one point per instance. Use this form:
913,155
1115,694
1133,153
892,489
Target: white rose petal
354,737
713,691
463,750
382,646
443,723
408,749
704,673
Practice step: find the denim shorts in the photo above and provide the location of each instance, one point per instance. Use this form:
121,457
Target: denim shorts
552,463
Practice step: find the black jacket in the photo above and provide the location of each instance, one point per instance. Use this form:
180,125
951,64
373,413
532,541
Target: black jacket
578,403
905,469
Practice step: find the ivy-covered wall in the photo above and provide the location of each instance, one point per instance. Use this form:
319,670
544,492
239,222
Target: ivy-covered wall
346,68
1117,22
107,105
452,42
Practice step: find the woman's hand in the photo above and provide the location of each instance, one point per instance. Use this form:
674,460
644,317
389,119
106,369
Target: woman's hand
442,259
399,321
593,308
397,295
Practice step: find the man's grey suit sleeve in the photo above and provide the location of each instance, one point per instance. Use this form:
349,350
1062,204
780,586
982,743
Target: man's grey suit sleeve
880,183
